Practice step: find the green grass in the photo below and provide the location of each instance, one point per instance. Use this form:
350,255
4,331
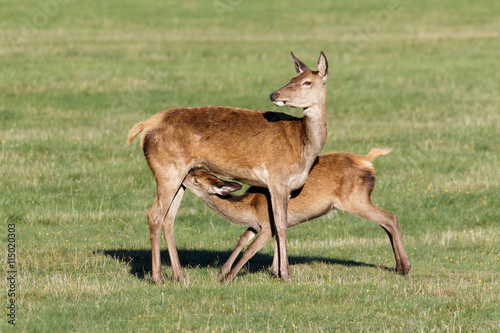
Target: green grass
423,79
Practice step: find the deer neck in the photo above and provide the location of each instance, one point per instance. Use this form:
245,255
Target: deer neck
316,129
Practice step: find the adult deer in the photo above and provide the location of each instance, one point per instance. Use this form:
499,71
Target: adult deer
337,180
259,148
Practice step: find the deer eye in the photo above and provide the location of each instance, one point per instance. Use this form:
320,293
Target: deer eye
306,83
196,181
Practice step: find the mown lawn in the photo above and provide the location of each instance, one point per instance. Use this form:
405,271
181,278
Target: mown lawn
420,77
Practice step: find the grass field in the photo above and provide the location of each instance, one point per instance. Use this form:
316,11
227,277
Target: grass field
422,77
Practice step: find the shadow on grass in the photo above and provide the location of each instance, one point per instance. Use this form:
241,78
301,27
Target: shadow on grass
140,260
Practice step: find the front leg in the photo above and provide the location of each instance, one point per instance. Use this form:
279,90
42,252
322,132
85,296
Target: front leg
275,268
244,239
279,200
258,243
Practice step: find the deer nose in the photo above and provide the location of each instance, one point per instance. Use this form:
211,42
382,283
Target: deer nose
273,96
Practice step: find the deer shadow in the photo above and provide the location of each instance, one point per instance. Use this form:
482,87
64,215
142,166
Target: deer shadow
139,261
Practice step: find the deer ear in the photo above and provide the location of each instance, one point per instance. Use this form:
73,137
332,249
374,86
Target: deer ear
224,188
323,65
299,65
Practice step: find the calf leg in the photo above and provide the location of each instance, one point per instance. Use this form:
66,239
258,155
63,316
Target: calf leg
258,243
389,222
244,239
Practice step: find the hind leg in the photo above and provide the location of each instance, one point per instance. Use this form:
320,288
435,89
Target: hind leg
168,233
165,193
389,222
154,220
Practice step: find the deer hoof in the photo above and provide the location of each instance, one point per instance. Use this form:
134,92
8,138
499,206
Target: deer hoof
226,278
158,280
178,278
286,277
403,269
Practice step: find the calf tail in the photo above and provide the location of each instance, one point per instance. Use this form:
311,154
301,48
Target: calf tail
376,152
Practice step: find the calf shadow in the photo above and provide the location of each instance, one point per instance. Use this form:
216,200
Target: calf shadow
139,261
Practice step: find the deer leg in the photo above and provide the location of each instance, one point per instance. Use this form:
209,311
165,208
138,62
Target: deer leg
389,222
275,268
161,205
397,255
279,200
154,220
258,243
242,241
168,234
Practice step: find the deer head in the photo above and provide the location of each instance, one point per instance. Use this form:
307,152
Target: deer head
305,90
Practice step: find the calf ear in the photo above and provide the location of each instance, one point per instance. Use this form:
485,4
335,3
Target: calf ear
224,188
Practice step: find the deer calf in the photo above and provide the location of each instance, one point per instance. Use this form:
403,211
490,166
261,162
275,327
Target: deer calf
259,148
337,180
